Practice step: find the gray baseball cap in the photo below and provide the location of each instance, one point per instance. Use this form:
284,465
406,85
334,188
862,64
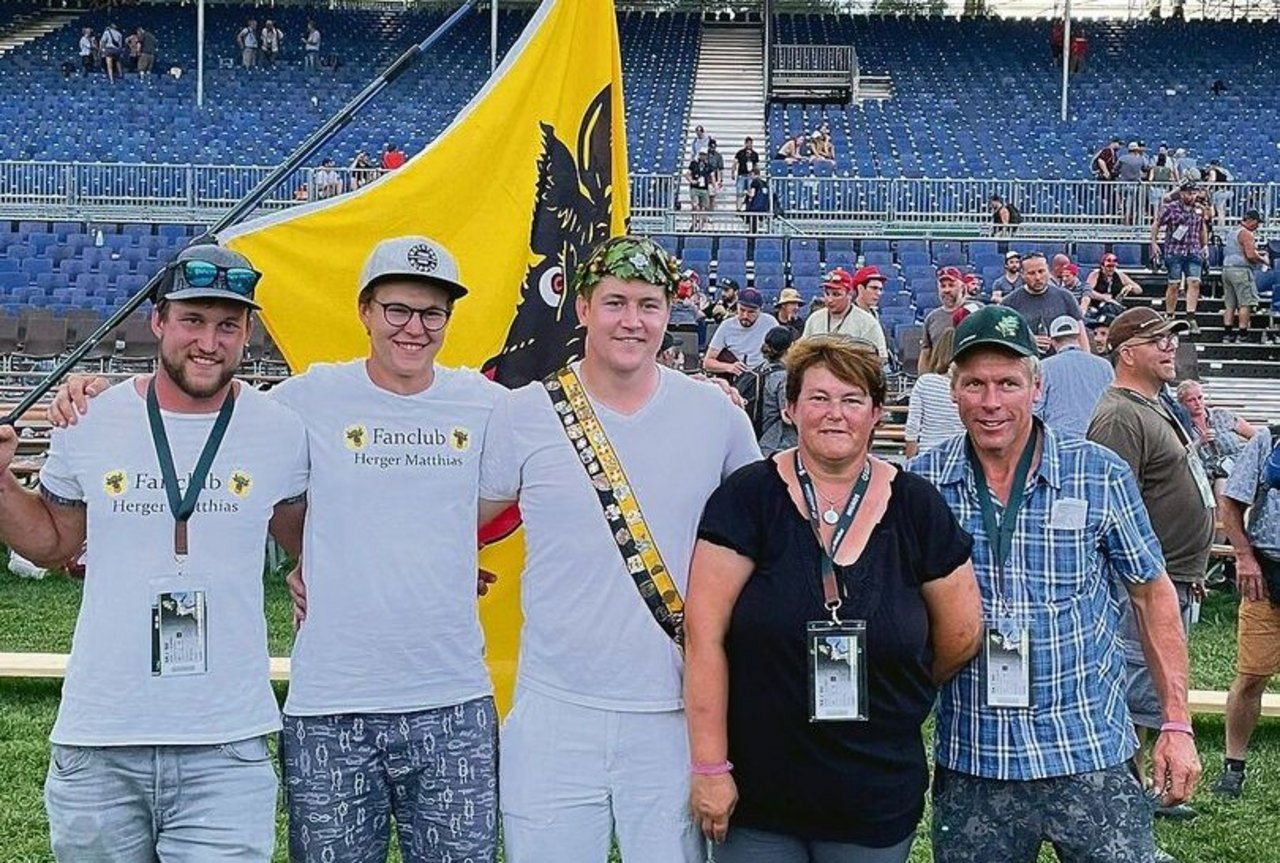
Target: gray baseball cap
230,276
413,257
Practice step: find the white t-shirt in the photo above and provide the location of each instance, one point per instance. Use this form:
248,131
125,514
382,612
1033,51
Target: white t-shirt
745,342
856,323
389,547
588,636
111,696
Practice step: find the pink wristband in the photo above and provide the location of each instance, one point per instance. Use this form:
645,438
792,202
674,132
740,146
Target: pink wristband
1181,727
713,769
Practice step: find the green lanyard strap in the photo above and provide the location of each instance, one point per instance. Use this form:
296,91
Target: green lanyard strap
1000,529
183,505
857,495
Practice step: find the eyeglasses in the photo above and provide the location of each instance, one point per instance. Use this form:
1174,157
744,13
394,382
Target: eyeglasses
237,280
1167,342
433,318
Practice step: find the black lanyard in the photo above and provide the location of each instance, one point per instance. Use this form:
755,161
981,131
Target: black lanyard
1000,530
857,494
183,505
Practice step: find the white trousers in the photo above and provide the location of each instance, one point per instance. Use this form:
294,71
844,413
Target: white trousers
571,778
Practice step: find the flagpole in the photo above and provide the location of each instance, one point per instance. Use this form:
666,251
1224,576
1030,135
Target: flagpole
200,54
1066,56
245,205
493,36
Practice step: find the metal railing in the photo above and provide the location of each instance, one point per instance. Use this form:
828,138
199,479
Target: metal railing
1051,209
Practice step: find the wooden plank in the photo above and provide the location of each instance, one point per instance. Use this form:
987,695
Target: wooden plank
54,665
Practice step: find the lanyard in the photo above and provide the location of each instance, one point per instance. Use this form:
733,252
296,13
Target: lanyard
1000,530
857,494
182,506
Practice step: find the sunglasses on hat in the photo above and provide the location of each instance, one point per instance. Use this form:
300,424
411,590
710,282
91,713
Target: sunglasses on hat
202,274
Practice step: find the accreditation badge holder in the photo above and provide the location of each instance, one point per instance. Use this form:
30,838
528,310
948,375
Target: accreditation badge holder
1006,665
837,670
179,627
1203,485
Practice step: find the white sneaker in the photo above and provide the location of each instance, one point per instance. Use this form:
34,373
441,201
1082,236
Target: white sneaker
24,568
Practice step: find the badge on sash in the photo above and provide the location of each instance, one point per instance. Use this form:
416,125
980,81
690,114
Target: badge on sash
1006,665
837,670
179,633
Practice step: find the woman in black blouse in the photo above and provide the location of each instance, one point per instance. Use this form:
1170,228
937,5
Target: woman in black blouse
807,679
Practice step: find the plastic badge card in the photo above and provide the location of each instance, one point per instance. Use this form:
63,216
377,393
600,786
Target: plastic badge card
179,634
1006,654
837,671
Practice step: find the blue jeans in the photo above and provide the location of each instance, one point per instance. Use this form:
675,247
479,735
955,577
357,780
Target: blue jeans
180,804
1180,265
435,771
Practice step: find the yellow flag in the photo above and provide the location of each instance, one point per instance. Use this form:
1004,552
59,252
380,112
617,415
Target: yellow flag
527,178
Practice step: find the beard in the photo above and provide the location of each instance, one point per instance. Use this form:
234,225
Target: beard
176,369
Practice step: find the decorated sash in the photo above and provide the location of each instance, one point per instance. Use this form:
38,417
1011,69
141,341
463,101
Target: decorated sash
621,509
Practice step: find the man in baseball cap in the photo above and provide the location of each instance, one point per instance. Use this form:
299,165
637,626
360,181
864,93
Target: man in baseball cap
841,316
1143,324
1074,531
951,292
384,433
1071,380
736,344
868,285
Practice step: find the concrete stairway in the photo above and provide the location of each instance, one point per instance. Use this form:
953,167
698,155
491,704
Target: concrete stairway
28,28
728,98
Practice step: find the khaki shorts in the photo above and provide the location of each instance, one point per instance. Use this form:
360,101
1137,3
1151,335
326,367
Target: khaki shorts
1239,287
1258,638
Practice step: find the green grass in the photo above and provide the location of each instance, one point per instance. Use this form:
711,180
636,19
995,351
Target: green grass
40,616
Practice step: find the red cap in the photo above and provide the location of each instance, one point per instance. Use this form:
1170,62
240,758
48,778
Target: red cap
963,311
969,278
838,278
950,273
1073,269
866,274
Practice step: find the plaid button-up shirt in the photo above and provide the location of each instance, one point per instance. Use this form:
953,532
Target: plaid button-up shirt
1178,217
1061,581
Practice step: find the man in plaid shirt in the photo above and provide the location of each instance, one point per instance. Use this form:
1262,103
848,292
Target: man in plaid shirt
1034,738
1186,247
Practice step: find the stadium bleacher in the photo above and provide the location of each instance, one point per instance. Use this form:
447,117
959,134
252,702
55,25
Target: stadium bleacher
980,97
255,117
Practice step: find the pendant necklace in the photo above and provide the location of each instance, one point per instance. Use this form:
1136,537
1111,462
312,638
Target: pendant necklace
831,516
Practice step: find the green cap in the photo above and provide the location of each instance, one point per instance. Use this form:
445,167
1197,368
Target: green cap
998,326
630,259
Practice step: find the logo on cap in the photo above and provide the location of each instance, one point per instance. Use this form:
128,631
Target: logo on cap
1007,326
422,258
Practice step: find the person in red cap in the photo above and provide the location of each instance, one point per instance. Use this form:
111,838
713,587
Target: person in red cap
951,292
1108,284
868,284
842,317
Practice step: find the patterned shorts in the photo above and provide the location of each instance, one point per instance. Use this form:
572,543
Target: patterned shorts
435,771
1098,817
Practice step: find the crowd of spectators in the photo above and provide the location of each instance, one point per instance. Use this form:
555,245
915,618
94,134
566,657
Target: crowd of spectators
116,54
263,46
